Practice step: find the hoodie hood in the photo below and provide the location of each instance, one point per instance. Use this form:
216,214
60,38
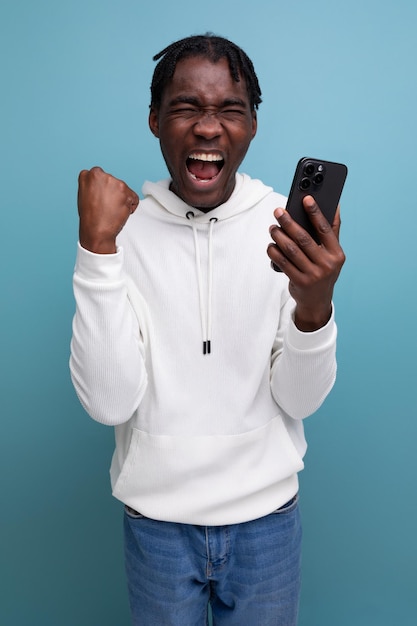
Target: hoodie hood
246,194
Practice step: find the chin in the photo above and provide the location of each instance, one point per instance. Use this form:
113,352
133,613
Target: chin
204,199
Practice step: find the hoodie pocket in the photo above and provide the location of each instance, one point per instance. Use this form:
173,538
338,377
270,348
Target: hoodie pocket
209,480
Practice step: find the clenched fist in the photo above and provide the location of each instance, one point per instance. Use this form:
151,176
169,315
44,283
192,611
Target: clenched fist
104,206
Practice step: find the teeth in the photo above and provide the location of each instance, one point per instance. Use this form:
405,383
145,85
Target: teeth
201,180
202,156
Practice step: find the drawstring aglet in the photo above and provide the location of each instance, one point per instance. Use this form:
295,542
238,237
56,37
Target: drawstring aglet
206,347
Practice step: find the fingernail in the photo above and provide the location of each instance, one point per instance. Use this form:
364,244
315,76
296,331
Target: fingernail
278,212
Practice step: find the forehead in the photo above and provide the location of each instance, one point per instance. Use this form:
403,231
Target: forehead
200,77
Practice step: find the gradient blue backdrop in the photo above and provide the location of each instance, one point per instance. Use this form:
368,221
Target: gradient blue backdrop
339,82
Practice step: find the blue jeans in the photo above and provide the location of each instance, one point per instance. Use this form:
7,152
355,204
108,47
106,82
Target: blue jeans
249,573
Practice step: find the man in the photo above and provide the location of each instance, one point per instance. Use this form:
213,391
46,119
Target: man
203,358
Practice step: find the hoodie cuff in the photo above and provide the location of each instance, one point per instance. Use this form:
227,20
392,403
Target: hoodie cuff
314,340
99,267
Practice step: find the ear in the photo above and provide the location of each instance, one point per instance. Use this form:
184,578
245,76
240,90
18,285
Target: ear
254,123
154,122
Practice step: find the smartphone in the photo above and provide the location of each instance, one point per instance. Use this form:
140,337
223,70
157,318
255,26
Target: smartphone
324,181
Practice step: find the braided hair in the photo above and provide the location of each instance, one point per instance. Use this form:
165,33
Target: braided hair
212,48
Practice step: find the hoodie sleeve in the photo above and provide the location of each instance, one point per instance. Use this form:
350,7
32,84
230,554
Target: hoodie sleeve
107,353
303,367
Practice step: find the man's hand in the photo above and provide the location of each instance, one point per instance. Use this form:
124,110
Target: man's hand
104,206
312,269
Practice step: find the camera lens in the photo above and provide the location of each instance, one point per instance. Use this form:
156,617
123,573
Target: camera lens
318,179
309,169
305,183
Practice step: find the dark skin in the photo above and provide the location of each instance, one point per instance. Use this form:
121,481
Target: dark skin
104,206
218,122
312,269
205,113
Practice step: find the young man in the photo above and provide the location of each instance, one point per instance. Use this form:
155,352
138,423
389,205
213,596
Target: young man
203,358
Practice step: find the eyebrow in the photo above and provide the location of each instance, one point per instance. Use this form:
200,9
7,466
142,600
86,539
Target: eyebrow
195,101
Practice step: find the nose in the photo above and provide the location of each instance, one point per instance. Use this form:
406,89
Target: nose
208,125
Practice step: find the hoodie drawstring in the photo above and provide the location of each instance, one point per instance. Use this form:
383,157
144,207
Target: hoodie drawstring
205,315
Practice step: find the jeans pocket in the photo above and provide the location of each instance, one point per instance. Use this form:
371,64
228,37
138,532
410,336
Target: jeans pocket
132,514
288,507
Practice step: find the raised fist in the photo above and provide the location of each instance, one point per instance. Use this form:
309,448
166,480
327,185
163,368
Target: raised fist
104,206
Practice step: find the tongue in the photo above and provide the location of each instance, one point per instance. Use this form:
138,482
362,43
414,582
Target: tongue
203,169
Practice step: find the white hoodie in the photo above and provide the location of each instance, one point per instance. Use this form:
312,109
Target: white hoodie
207,436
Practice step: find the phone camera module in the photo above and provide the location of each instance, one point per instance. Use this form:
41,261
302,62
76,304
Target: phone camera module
318,179
305,183
309,169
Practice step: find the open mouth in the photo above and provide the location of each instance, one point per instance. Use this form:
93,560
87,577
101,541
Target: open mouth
204,167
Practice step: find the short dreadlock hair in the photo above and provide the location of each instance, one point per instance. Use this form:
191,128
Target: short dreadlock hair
213,48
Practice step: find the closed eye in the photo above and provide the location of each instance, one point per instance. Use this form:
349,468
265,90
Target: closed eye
185,111
232,114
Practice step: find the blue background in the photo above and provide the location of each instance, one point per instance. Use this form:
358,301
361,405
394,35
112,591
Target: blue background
339,82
